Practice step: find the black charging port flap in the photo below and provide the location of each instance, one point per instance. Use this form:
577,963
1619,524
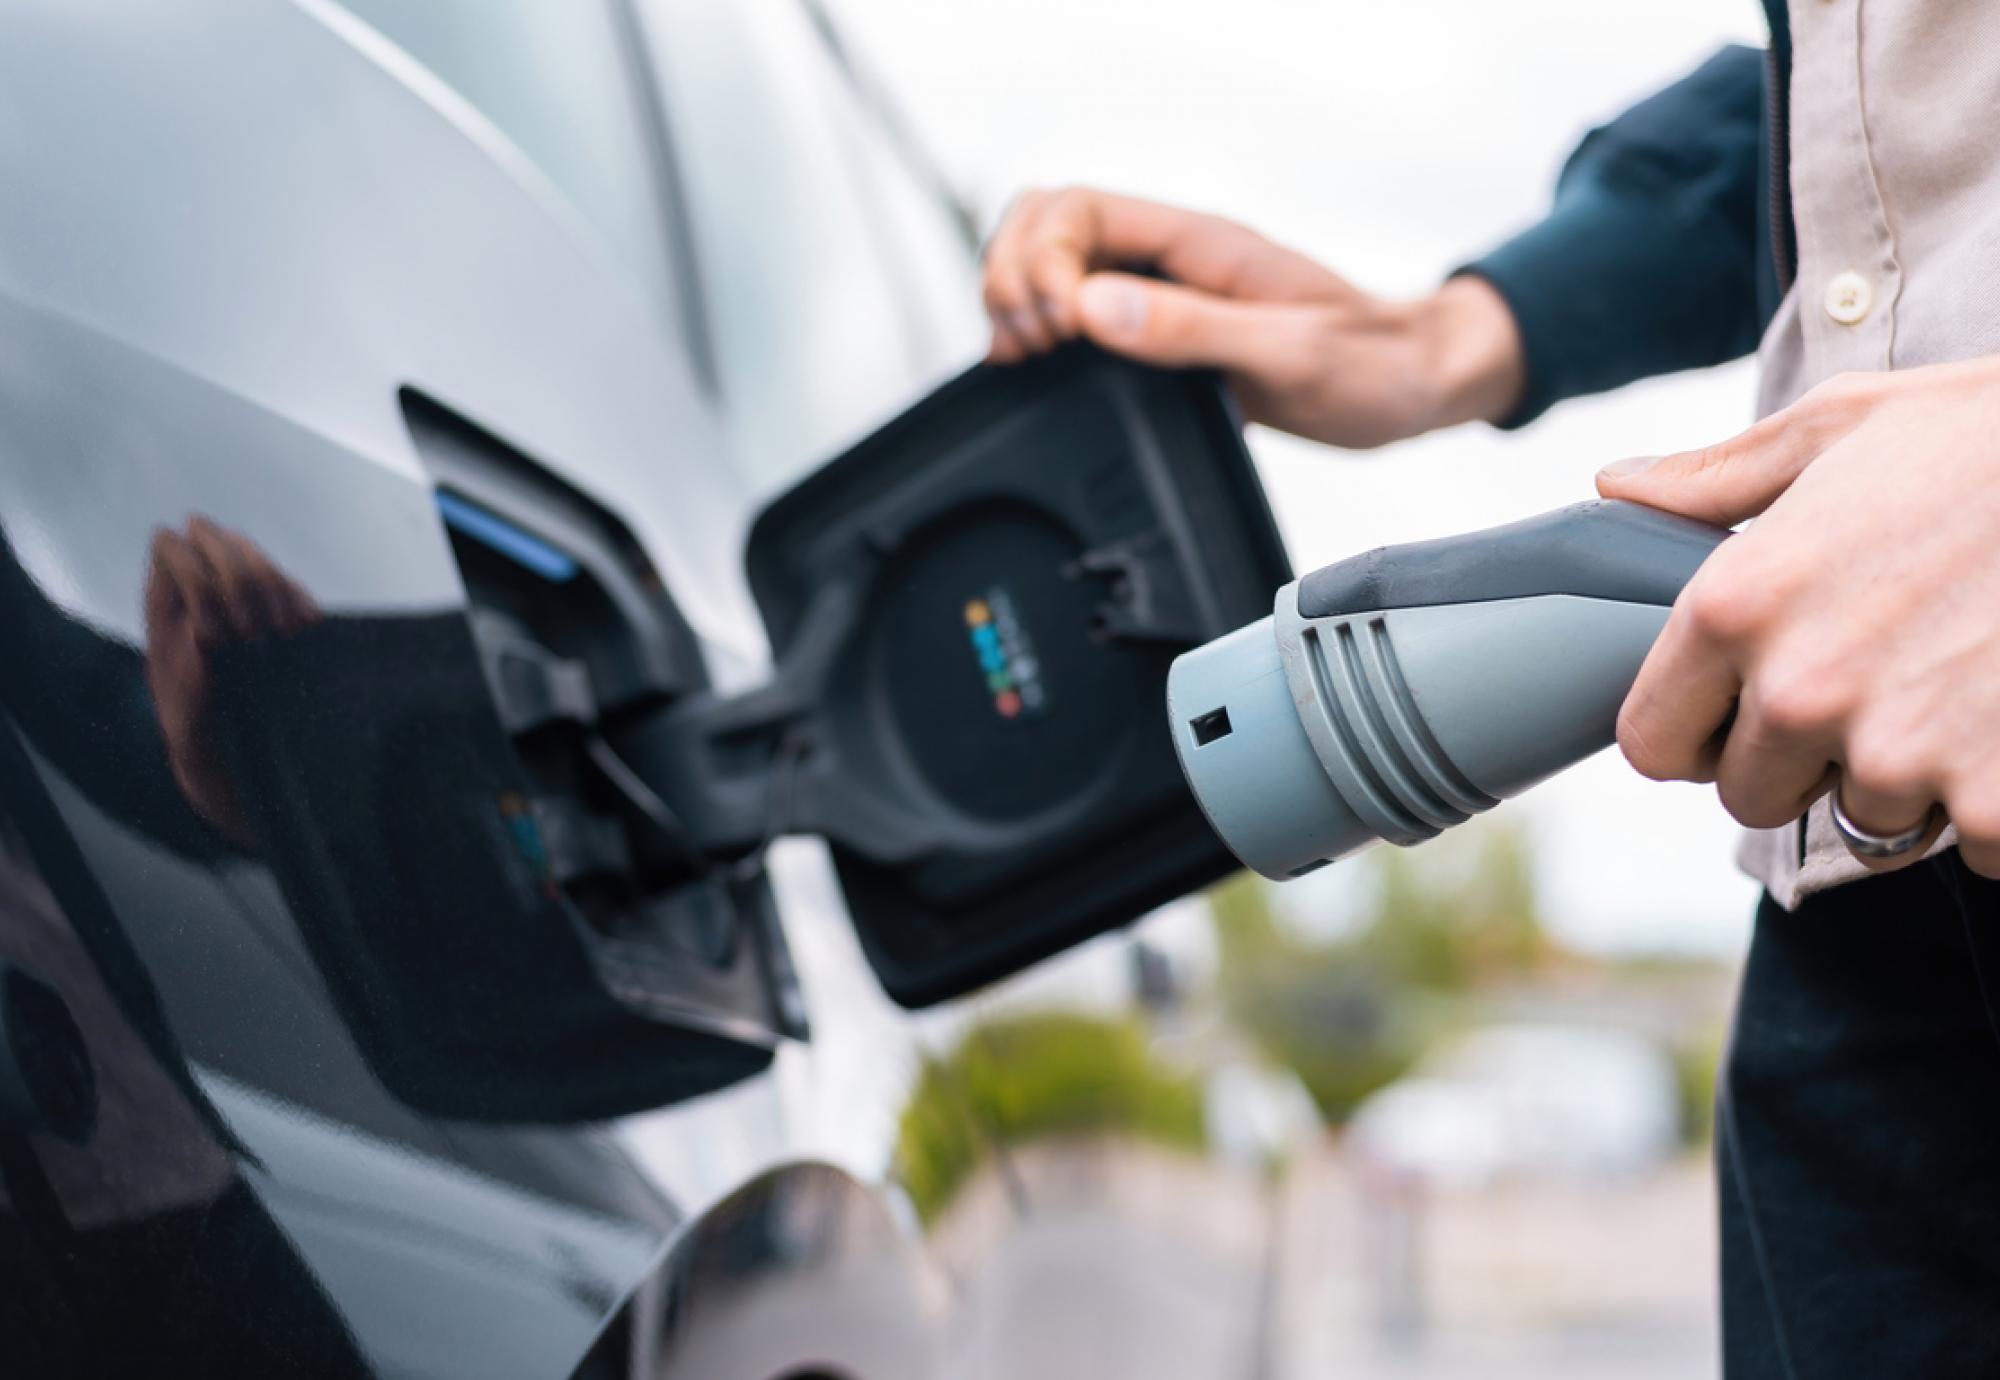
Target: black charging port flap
973,612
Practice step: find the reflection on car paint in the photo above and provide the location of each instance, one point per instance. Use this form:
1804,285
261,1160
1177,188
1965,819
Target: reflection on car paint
211,299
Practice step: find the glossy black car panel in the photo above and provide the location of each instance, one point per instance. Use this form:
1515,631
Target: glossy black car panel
364,496
245,1128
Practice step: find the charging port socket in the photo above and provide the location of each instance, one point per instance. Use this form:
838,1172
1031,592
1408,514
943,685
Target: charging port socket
1209,727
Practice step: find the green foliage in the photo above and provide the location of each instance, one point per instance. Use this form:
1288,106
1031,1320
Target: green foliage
1327,1011
1351,1015
1024,1077
1696,1064
1457,912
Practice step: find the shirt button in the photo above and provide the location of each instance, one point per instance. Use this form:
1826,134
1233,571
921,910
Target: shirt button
1848,297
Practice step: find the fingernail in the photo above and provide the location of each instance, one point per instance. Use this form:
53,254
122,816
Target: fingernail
1052,312
1113,305
1625,469
1023,323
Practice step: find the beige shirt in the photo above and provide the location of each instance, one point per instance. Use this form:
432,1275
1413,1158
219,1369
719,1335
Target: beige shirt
1895,152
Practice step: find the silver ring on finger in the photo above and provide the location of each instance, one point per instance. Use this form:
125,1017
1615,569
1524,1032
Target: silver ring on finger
1879,846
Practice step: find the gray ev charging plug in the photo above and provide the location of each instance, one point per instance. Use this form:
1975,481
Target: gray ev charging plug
1402,691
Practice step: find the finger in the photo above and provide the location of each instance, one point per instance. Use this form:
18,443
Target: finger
219,574
273,600
1766,778
1066,235
1064,241
173,651
177,565
1972,800
1886,807
179,623
1054,271
1914,854
162,600
1674,722
1003,348
1981,849
305,608
1724,483
1078,230
1192,248
1175,326
1009,297
224,556
1983,859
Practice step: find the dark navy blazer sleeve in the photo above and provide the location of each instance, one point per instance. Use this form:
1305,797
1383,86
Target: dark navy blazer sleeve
1649,260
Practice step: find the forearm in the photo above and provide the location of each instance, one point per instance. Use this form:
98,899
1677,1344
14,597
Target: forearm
1648,261
1473,350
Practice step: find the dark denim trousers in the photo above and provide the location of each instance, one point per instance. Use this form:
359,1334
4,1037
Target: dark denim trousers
1858,1135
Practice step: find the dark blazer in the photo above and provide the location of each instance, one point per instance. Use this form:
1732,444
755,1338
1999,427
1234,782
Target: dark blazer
1670,240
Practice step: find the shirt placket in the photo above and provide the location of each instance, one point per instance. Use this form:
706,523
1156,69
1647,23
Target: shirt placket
1849,276
1848,281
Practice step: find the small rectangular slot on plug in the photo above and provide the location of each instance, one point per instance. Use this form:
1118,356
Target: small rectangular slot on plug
1210,726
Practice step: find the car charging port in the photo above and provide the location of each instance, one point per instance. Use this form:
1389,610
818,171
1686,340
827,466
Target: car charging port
579,641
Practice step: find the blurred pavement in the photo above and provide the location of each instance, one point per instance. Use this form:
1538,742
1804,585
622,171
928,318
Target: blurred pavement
1554,1280
1125,1262
1131,1262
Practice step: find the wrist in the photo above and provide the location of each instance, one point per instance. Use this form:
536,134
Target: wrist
1472,354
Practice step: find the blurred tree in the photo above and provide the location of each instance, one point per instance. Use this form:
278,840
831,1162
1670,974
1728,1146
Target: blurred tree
1697,1063
1458,911
1352,1014
1023,1077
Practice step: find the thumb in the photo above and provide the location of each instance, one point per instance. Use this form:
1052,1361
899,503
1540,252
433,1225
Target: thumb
1724,483
1167,324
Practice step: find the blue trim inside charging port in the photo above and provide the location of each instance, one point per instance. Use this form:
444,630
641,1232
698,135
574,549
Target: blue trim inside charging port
523,548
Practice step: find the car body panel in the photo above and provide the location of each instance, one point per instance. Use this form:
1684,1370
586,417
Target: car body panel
233,234
319,233
237,237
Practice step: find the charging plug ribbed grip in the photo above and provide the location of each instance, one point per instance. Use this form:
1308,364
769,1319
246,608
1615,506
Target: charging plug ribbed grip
1399,693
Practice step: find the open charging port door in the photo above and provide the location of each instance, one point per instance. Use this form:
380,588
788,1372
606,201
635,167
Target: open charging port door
973,611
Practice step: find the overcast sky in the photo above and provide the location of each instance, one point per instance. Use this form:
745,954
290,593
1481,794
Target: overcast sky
1392,141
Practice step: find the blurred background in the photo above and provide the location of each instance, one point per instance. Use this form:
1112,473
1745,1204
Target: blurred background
1433,1113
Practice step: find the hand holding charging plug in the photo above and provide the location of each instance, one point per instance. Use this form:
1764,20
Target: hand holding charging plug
1395,694
1849,634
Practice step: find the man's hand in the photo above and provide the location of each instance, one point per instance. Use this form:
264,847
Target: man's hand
1305,351
207,587
1853,631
